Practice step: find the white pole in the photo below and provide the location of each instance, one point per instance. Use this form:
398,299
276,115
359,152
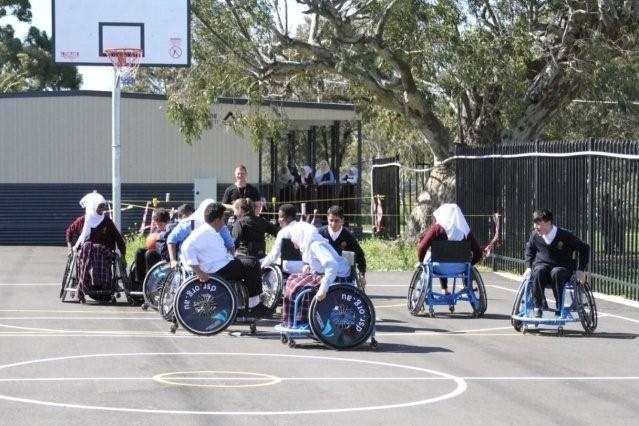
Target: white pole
115,149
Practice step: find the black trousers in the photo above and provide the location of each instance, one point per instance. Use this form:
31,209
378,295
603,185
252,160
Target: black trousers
246,269
546,276
144,260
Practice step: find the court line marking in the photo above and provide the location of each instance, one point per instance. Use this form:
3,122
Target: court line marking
460,387
29,284
322,379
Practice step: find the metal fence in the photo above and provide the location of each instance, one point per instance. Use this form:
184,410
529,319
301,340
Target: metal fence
591,186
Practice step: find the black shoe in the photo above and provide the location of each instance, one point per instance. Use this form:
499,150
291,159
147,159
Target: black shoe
260,311
538,312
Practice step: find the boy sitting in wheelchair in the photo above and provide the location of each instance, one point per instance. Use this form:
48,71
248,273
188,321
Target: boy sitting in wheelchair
550,262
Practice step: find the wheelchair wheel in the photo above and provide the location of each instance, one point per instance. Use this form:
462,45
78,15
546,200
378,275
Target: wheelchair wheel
70,282
586,307
519,305
205,308
153,282
417,291
345,319
65,275
272,285
479,289
241,295
168,291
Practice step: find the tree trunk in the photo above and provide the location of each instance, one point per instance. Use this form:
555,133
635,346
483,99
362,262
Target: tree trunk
440,189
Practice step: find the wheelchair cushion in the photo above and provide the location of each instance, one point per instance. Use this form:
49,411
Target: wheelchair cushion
449,268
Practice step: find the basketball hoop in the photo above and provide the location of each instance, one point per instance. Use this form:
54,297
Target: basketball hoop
126,61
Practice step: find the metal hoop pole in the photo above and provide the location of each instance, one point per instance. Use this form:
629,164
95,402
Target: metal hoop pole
115,149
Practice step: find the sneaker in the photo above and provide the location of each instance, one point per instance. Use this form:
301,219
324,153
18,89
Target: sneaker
538,313
260,311
445,292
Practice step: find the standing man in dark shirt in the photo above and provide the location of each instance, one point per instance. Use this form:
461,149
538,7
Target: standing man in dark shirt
240,189
550,258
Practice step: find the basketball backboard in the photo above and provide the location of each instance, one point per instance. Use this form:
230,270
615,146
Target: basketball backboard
84,29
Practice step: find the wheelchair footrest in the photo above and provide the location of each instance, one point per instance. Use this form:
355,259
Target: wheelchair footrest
299,330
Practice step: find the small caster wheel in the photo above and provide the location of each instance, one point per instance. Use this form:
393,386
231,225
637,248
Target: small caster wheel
283,339
560,331
253,328
117,295
144,306
451,308
373,343
431,312
524,330
173,328
291,343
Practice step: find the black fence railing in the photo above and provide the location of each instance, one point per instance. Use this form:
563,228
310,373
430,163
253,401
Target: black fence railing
591,186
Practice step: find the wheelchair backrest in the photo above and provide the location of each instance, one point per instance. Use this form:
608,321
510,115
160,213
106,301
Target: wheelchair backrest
289,252
450,251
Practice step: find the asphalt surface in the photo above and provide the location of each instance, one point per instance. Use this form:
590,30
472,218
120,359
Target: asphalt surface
72,364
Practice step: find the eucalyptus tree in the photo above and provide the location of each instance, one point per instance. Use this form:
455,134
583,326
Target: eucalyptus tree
26,64
454,71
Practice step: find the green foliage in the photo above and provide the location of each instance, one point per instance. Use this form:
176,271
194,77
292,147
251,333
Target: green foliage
133,243
385,255
27,64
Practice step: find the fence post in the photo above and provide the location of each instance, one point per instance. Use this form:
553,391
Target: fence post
590,233
536,173
494,197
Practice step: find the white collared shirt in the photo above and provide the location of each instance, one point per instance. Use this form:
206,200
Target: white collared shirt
550,236
204,247
335,235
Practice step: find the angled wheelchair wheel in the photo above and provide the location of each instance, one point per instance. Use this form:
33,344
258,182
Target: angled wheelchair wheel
168,291
417,291
241,295
519,305
586,307
272,285
65,275
205,308
479,289
153,282
345,319
70,283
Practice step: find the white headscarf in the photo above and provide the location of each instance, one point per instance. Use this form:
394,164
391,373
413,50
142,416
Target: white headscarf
323,167
198,214
351,176
451,218
306,171
92,219
303,235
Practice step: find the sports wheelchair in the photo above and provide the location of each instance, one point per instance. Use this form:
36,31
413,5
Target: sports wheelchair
274,276
154,281
207,308
575,298
343,320
106,292
448,259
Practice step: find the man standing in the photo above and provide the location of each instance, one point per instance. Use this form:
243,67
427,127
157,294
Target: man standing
550,260
240,189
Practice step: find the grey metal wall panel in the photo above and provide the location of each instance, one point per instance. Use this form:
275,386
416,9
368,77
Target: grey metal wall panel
38,214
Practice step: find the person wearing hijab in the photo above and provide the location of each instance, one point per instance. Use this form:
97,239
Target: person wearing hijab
324,179
450,224
286,182
322,267
74,230
347,194
97,227
184,228
95,245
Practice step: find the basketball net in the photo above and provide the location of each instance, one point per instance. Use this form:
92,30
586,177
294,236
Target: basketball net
126,62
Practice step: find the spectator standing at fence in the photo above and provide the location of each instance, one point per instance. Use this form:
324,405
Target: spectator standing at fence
347,194
549,258
286,184
306,187
607,224
324,179
618,228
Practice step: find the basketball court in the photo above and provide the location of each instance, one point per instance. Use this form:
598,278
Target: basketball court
66,363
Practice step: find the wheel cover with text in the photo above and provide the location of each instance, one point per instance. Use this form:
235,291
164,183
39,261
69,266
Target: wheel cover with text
345,319
152,286
271,287
205,308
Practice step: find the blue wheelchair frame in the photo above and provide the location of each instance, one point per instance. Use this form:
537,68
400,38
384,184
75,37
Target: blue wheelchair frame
575,298
445,263
340,317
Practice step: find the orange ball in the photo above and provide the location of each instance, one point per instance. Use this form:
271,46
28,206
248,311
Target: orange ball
151,240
